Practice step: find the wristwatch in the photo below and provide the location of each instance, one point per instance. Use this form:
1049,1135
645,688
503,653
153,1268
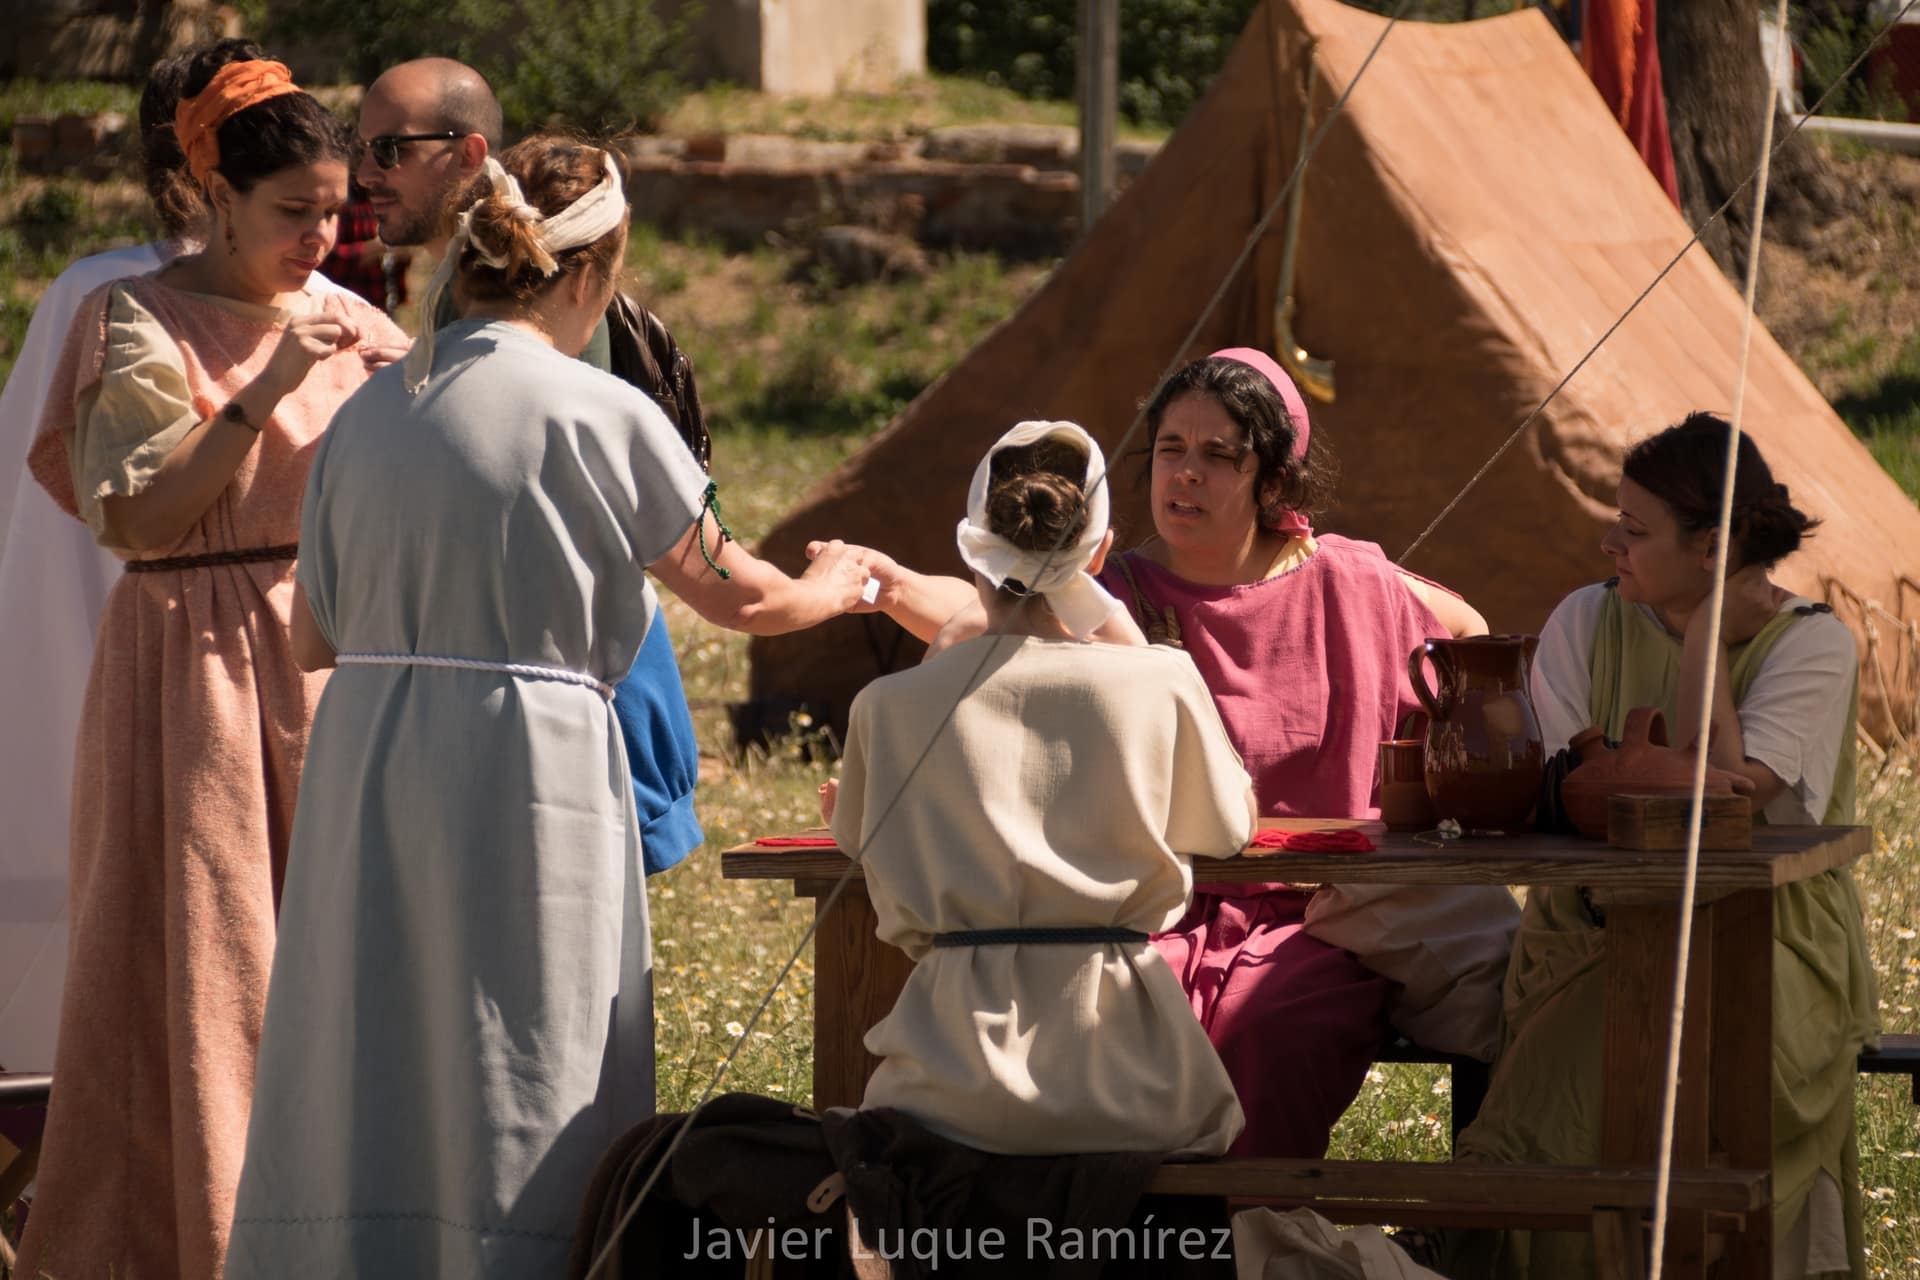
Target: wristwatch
236,413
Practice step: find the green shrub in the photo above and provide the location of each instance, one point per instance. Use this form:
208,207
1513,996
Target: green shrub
1169,49
1827,48
599,65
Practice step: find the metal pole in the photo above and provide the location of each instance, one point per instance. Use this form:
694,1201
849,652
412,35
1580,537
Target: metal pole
1099,77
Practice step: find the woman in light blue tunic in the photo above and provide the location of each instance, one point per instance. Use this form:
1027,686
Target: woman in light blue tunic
460,1016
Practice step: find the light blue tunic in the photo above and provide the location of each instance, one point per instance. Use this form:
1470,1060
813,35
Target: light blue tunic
460,1017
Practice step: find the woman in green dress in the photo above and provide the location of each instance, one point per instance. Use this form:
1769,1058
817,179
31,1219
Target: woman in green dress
1785,695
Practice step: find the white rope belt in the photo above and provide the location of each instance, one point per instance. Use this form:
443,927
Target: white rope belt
525,670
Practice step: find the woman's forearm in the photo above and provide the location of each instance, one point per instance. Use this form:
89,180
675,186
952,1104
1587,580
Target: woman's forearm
189,478
753,596
922,602
1727,748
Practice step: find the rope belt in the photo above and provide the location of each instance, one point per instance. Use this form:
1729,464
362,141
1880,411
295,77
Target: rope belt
525,670
209,559
1031,937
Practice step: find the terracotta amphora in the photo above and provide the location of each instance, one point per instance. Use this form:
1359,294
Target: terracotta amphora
1484,754
1643,764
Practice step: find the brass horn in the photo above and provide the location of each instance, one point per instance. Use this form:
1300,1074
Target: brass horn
1313,374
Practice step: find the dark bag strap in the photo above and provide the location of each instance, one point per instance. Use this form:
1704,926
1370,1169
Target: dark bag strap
643,353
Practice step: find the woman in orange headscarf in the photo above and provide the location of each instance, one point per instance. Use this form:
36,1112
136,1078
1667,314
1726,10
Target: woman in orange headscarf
181,424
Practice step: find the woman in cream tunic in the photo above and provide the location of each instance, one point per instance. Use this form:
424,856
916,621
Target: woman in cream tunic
1057,809
1783,717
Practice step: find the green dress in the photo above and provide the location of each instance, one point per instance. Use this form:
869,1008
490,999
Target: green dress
1543,1105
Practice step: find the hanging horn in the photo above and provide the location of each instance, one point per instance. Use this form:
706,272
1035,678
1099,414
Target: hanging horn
1312,374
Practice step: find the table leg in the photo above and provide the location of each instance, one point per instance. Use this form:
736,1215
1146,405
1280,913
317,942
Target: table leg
1641,943
856,979
1742,1110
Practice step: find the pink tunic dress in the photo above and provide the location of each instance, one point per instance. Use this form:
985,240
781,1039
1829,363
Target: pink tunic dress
1309,672
190,746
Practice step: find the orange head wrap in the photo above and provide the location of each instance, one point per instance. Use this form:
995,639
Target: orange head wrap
233,89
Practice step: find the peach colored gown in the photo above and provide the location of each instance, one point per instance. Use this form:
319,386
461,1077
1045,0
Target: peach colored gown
189,755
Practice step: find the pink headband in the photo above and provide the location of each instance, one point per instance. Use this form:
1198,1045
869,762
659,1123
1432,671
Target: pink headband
1291,523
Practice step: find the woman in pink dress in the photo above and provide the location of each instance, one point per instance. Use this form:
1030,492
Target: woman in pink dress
1303,641
182,421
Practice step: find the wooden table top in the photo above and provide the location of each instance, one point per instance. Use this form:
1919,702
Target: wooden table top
1780,855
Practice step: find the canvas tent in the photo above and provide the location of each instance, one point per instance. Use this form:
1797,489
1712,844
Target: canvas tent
1473,222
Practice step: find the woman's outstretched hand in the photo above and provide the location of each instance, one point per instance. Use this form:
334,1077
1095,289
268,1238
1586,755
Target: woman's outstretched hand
829,794
842,570
919,602
878,565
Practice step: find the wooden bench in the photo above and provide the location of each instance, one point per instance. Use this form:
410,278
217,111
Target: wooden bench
1896,1056
1610,1203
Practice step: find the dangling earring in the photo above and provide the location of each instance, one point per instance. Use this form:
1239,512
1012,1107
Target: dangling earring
231,246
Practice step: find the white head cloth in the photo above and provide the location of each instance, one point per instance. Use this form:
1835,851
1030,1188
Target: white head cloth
584,221
1060,575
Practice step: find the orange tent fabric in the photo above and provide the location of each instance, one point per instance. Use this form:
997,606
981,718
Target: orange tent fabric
1473,223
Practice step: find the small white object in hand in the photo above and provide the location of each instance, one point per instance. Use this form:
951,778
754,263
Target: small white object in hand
870,592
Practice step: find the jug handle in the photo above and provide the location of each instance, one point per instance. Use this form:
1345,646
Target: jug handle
1436,707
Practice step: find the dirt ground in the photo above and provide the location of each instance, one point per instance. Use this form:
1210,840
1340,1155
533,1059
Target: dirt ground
1845,301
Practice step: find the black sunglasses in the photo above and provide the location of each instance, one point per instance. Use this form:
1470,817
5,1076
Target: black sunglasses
386,148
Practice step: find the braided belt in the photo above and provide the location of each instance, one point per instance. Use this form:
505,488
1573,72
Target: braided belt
1030,937
525,670
210,559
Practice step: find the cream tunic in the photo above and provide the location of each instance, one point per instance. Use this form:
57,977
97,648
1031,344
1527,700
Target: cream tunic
1068,790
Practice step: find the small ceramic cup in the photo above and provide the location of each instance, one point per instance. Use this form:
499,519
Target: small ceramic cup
1404,804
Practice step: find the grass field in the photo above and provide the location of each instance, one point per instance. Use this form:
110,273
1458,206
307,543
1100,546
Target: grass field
796,374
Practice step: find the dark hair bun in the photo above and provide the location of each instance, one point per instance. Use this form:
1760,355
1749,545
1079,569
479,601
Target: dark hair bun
1037,510
1769,528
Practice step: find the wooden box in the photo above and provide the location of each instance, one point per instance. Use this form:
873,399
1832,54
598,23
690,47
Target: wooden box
1660,822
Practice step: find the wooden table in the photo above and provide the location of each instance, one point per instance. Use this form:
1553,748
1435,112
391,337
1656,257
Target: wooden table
1726,1054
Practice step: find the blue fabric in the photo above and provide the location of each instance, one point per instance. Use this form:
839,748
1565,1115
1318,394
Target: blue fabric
651,705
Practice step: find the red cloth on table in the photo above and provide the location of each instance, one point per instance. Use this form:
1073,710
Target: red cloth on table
1308,670
798,842
1337,841
1622,58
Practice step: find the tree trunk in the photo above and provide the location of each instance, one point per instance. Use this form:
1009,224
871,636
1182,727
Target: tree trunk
1716,87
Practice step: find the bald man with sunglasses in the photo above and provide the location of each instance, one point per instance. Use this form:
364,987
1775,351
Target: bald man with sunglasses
426,127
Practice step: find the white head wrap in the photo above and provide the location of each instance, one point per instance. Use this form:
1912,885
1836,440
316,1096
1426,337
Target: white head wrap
1058,574
584,221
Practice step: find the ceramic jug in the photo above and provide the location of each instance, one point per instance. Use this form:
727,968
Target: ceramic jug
1484,756
1643,764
